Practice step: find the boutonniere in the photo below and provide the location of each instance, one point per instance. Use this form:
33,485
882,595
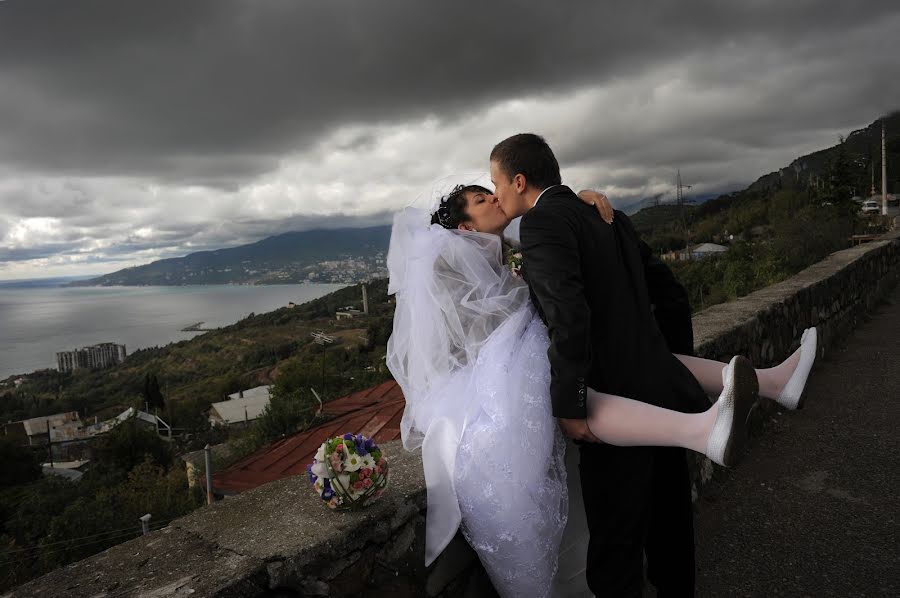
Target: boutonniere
514,261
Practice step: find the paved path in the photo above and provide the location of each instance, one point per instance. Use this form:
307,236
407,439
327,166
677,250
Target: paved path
815,508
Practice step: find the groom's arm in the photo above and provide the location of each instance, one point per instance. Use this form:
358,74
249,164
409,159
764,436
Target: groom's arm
553,265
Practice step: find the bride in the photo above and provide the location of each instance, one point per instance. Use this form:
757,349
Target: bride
470,354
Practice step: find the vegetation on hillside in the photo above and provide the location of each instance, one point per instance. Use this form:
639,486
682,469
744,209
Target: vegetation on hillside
182,379
780,224
47,522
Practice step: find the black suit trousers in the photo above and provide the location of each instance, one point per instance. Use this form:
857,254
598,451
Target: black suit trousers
638,501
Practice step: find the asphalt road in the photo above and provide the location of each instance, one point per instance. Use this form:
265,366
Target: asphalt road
814,509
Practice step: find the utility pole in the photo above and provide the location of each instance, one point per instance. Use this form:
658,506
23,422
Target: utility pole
145,523
207,456
320,338
884,205
679,199
49,444
319,399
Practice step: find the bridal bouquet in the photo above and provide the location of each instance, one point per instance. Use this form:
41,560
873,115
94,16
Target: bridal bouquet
514,261
348,472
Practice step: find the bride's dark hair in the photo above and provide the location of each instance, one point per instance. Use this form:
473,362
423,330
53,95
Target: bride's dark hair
452,211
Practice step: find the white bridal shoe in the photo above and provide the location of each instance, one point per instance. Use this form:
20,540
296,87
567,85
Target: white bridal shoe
792,395
728,438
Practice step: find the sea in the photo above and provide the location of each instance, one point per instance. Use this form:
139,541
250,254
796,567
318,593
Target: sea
38,319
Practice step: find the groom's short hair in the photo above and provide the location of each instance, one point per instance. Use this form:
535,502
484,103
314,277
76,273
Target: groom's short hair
528,154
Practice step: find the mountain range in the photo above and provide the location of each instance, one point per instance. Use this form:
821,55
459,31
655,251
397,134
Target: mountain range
321,256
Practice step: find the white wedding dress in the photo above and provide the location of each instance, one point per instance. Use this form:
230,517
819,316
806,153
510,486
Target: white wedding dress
470,354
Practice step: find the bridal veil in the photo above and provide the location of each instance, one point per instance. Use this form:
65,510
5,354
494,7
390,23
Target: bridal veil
469,354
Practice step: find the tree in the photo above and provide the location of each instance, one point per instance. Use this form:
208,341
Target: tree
18,464
285,414
738,276
840,177
152,394
128,444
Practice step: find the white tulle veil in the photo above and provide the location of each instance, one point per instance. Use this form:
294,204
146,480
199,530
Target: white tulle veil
452,293
459,316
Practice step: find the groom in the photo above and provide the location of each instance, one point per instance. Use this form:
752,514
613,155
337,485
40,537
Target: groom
591,283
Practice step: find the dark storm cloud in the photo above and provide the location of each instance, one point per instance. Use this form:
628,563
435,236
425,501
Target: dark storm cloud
213,91
131,131
36,252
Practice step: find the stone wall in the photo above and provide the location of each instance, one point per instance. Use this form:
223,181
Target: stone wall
832,295
279,540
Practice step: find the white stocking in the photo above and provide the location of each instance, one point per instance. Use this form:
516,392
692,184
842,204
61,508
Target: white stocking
708,373
626,422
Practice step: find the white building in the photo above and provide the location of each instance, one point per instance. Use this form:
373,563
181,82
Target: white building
60,426
95,356
147,420
697,252
241,407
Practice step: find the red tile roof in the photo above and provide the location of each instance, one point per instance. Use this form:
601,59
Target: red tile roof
374,412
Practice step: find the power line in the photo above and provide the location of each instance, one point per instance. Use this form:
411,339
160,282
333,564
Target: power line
679,199
66,548
112,535
40,547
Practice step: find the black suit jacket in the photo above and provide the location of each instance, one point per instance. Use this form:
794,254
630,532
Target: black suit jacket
591,283
671,305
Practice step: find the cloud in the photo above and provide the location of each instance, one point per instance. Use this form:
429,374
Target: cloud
213,122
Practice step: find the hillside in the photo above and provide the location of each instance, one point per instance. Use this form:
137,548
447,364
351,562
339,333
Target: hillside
783,222
205,369
747,213
322,256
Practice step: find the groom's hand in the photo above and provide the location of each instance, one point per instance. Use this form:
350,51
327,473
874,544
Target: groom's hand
577,429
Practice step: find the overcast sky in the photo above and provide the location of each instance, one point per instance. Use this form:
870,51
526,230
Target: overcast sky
135,130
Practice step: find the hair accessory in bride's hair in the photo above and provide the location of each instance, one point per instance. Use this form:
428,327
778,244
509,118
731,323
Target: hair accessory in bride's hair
451,211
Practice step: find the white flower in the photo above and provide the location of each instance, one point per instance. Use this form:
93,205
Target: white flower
352,462
320,454
319,470
368,462
342,481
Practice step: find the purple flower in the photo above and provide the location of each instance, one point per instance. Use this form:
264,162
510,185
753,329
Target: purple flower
312,476
327,494
348,436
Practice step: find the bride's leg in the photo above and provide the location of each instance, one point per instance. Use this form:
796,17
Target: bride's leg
626,422
773,382
719,432
708,373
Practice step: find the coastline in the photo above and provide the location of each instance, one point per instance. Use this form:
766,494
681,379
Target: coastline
39,321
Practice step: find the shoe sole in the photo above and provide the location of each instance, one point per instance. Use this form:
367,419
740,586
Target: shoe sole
746,389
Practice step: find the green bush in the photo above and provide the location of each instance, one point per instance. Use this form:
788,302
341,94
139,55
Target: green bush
18,464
